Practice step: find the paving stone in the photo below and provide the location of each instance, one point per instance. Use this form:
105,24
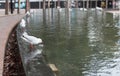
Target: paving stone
7,23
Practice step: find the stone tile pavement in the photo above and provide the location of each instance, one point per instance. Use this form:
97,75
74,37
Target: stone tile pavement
7,23
2,12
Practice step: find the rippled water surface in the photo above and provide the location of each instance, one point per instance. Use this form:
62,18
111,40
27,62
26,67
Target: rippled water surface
79,43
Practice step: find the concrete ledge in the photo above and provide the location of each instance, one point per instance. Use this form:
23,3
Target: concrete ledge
7,23
113,11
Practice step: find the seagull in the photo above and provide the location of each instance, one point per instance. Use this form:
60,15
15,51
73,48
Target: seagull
28,13
23,24
81,9
92,9
99,8
59,9
32,40
84,9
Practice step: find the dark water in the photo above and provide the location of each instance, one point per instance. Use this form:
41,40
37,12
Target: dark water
79,43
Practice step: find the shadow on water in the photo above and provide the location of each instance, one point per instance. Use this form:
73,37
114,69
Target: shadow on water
79,43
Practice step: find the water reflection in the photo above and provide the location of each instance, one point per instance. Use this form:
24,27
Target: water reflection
93,32
103,62
79,43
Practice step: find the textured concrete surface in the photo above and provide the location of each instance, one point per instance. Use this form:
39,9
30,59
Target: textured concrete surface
7,23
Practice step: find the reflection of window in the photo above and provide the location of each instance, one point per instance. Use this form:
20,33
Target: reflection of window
16,5
110,3
22,5
51,3
46,3
79,4
65,3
